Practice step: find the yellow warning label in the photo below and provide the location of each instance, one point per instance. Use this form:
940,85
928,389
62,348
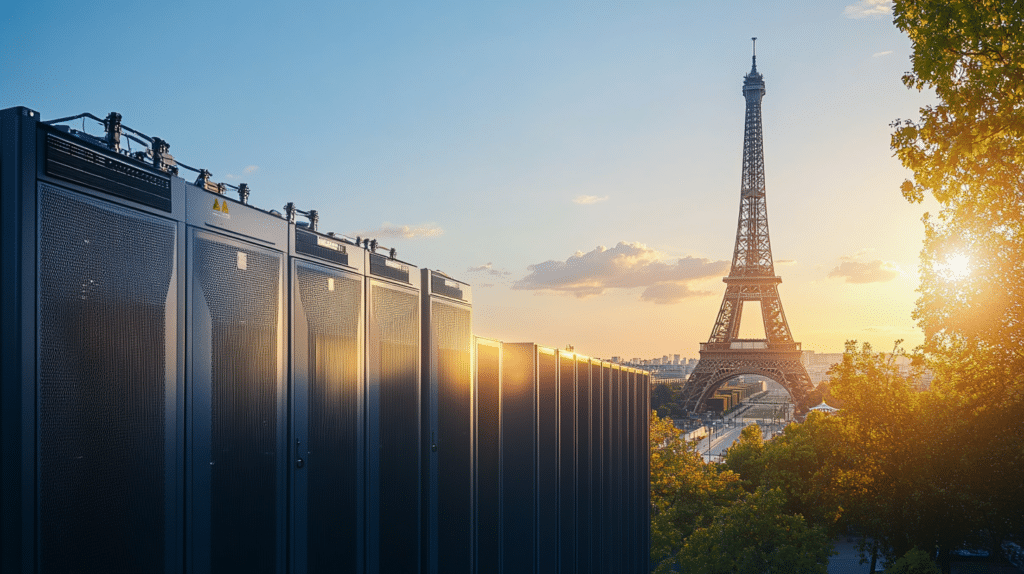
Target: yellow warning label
224,207
216,205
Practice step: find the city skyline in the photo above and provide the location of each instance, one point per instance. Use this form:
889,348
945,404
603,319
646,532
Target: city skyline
504,144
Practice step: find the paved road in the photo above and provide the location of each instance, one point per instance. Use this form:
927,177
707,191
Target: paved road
772,405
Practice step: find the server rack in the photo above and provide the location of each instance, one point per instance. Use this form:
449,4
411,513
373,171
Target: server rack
567,461
393,418
645,472
327,278
91,301
519,457
610,485
447,410
487,362
629,471
547,460
237,363
584,467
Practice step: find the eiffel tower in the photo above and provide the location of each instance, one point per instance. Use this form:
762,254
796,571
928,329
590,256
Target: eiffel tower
752,278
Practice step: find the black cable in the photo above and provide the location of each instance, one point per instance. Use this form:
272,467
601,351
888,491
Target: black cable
67,119
138,133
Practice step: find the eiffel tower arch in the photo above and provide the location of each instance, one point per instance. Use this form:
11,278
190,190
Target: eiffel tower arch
751,278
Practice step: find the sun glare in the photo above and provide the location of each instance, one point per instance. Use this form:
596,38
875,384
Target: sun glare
956,267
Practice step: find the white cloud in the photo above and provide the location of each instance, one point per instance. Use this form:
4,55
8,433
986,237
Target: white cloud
488,267
389,230
250,169
589,199
880,54
868,9
668,293
785,262
876,271
625,266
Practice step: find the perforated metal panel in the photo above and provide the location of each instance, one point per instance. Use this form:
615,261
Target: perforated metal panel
617,482
104,285
393,373
518,457
567,463
547,461
584,467
607,471
331,303
451,379
237,385
488,455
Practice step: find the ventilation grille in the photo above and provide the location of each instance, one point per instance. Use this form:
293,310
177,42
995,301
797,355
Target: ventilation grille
397,325
584,518
331,302
567,462
383,267
547,461
446,287
243,301
518,458
312,244
488,431
104,279
451,329
78,164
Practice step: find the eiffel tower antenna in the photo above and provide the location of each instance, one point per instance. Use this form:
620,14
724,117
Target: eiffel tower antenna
751,279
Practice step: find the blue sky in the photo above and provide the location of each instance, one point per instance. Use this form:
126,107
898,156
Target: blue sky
505,142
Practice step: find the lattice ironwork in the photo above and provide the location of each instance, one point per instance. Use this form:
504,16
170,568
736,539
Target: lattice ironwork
751,278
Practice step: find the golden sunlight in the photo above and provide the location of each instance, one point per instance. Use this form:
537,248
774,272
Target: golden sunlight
956,267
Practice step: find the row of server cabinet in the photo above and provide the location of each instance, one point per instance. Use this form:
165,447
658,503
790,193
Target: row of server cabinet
193,384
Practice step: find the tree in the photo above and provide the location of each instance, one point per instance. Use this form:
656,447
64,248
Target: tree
968,152
913,454
746,457
755,535
685,491
915,561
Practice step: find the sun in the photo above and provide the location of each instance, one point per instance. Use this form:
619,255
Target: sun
956,267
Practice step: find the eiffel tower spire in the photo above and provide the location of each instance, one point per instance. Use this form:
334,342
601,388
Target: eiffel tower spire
753,254
751,279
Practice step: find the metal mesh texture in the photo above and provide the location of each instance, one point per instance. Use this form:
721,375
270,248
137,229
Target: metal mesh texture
451,328
547,461
488,432
567,463
397,325
244,308
584,434
518,461
331,302
104,279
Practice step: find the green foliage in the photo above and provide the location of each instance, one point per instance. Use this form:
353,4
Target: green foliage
755,535
810,464
915,561
685,491
747,457
968,152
